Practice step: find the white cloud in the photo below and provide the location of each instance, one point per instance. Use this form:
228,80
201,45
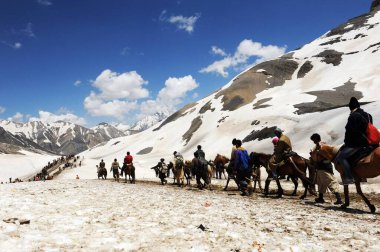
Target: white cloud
170,96
96,106
118,94
128,85
2,110
28,31
246,49
47,117
18,117
218,51
77,83
16,45
183,23
44,2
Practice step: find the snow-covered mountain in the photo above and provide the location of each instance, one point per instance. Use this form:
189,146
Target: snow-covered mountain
59,137
149,121
303,92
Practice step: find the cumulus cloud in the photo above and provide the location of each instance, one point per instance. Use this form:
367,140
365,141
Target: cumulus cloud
18,117
77,83
128,85
181,22
118,94
48,117
97,106
170,96
2,110
244,52
44,2
218,51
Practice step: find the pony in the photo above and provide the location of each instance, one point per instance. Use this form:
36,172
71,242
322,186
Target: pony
102,173
129,170
221,160
367,167
296,167
178,173
187,168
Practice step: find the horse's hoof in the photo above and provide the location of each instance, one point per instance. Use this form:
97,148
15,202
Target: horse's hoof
224,189
302,197
344,206
372,208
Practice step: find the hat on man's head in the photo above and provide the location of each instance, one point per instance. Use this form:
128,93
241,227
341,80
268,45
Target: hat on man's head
315,137
353,103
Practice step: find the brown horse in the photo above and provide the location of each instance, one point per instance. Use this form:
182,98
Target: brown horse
296,170
129,169
178,173
367,167
187,167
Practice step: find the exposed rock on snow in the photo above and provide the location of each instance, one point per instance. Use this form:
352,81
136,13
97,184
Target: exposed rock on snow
246,86
145,151
305,68
260,103
331,57
260,134
195,124
206,107
327,99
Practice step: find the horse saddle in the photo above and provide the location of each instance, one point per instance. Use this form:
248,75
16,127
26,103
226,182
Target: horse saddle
362,156
290,154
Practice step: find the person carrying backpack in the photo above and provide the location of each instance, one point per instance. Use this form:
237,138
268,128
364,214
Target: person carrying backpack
201,153
242,168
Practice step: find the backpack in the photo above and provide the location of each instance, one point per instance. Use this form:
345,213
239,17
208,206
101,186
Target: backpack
164,168
243,159
373,134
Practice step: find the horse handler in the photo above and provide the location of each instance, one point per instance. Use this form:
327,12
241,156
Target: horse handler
115,169
324,175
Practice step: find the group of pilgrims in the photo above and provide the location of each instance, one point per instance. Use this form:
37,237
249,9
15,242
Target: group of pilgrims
240,163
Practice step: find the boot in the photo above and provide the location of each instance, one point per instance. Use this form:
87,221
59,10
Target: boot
338,199
320,199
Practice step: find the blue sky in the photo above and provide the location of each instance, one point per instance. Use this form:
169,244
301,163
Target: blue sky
89,61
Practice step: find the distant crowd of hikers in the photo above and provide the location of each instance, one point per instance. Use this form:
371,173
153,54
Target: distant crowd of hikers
361,139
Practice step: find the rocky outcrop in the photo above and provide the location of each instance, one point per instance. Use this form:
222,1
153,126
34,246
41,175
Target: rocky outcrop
304,69
375,5
260,134
246,86
195,124
331,57
327,99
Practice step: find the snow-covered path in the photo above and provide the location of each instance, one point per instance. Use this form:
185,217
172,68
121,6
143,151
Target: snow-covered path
95,215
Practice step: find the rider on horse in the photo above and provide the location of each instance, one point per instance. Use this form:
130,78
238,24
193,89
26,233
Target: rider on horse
281,149
355,138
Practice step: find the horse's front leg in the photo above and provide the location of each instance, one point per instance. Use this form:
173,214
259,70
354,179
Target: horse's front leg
295,182
359,190
346,198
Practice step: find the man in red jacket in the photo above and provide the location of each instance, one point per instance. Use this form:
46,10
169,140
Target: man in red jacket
128,159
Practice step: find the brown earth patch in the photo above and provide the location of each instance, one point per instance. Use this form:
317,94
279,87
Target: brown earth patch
206,107
246,86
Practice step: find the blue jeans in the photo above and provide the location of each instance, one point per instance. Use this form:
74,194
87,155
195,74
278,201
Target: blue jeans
343,157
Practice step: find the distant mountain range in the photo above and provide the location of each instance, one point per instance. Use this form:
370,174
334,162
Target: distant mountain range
63,138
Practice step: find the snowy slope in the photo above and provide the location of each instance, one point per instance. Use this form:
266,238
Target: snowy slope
303,92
